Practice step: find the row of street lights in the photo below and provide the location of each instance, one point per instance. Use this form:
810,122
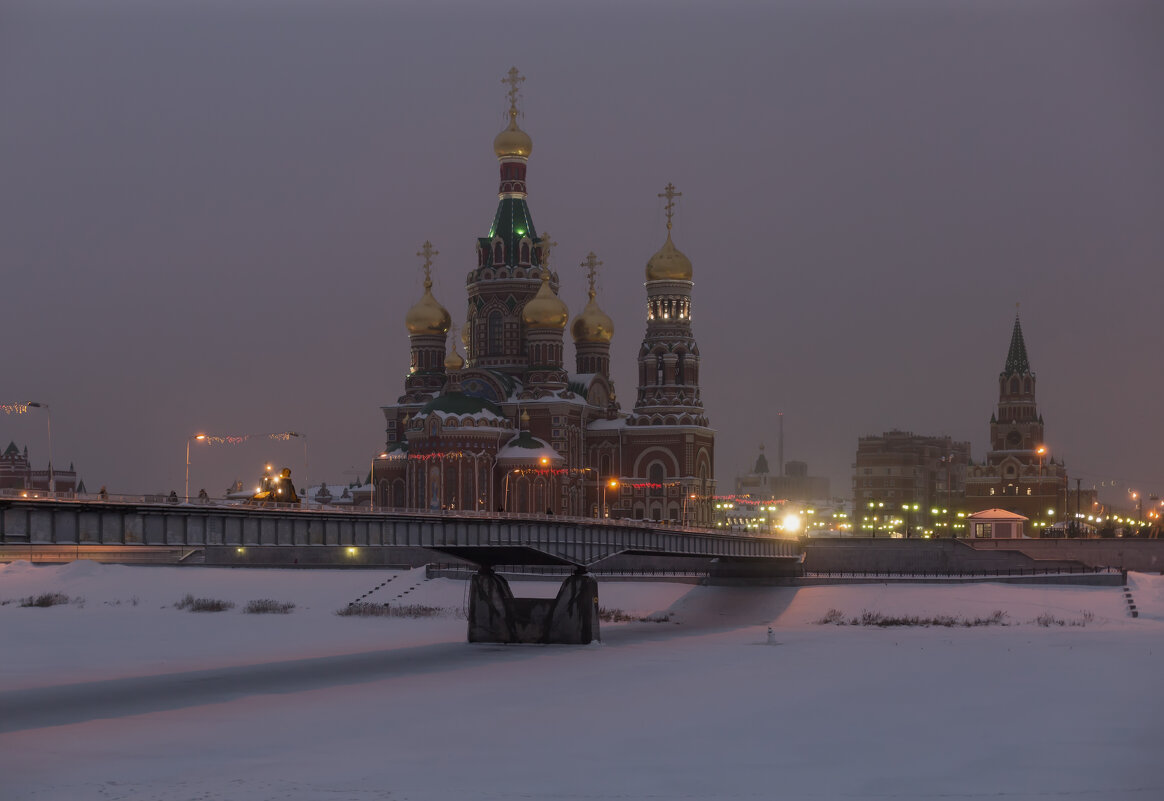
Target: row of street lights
208,438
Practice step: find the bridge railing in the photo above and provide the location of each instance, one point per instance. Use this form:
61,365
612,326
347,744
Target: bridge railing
1000,572
323,509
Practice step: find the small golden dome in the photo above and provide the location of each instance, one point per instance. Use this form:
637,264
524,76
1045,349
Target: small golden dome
593,324
428,316
545,309
513,142
454,360
669,264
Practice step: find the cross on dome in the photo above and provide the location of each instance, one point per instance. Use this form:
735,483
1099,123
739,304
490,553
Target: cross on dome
514,79
426,252
545,245
591,264
670,193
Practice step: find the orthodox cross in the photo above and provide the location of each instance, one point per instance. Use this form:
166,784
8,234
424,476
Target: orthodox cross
670,194
591,264
513,78
545,245
426,252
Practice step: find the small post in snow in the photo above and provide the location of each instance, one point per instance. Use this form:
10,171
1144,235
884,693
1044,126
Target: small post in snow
771,636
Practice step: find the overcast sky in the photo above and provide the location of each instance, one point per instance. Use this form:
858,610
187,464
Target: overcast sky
209,213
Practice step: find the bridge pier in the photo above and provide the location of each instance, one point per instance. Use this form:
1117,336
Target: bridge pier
495,615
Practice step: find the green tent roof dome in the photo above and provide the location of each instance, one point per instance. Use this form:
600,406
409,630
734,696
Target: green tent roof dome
459,403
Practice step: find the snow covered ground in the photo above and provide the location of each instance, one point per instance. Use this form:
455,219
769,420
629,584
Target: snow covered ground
123,696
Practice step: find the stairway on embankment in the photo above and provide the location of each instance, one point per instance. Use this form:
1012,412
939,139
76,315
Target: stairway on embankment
404,583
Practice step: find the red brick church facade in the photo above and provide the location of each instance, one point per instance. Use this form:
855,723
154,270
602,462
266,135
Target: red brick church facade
509,426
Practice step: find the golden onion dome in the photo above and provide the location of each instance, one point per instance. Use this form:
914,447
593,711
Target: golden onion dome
545,309
593,324
669,264
454,361
428,316
513,141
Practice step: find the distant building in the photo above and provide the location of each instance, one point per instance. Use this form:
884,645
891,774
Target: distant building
793,483
16,473
1020,474
908,484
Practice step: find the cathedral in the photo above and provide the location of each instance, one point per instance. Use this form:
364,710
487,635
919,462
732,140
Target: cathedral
508,426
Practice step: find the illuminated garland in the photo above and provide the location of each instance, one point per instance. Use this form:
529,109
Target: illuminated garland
230,439
14,408
428,457
534,471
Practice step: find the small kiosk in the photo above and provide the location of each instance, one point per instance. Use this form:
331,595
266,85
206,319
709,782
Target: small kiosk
996,524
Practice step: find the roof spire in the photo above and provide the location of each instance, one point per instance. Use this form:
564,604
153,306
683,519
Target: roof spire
1016,357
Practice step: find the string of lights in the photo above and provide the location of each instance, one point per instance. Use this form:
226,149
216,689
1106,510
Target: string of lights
238,439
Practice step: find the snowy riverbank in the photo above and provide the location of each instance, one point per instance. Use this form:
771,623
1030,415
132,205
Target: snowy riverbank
125,696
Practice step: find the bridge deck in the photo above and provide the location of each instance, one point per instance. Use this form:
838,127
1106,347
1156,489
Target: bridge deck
481,538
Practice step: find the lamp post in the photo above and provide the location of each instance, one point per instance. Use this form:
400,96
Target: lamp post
507,474
612,484
371,480
686,522
52,484
905,510
198,437
297,435
1041,451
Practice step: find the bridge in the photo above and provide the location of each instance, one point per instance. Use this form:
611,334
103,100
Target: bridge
484,539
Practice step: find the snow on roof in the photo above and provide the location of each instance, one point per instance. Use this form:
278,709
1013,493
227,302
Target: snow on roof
599,425
527,448
995,514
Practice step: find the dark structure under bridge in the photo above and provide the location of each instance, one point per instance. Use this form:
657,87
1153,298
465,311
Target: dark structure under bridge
486,540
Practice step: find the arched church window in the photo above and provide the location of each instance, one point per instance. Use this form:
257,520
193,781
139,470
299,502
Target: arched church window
679,374
1027,386
1014,385
655,476
493,337
498,253
525,251
659,369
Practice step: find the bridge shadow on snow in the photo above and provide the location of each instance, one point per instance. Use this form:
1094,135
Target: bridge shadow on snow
703,610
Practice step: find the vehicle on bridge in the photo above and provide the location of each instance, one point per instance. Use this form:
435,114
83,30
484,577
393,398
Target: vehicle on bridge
275,490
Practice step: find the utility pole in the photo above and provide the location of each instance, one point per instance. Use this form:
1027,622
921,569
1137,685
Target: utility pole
1077,491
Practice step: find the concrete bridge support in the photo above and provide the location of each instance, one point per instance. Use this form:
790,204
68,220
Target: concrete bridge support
495,615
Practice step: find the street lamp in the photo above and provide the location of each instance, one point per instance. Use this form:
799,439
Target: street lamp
1041,451
198,437
905,510
507,474
52,484
371,478
612,484
303,437
685,497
